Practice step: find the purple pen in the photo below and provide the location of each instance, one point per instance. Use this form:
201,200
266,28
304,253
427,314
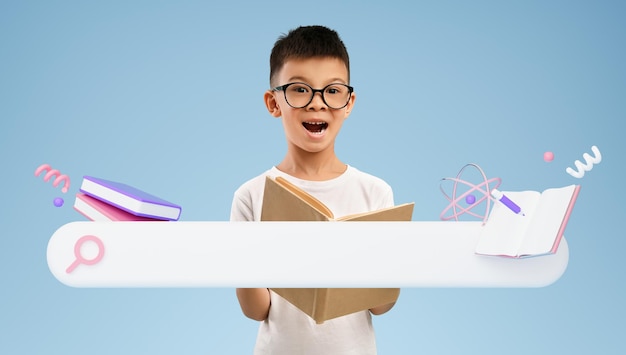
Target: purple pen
498,195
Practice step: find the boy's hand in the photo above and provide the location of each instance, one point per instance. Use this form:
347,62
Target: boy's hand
382,308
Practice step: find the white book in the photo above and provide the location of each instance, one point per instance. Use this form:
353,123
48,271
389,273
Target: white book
96,210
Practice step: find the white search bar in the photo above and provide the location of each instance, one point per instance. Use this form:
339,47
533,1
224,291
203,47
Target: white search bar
288,254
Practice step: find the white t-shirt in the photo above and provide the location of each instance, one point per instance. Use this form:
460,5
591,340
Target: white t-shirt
287,330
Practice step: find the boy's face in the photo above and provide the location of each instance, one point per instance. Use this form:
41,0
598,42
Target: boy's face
312,128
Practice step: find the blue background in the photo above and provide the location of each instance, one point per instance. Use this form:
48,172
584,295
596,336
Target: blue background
167,96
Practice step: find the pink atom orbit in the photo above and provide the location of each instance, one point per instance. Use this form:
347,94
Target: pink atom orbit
483,188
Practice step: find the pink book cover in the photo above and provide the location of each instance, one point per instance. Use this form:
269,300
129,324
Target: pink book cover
565,220
96,210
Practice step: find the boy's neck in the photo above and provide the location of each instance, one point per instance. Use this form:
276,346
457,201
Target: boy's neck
312,166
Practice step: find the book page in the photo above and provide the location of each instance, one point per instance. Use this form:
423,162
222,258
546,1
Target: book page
504,231
97,210
400,213
281,204
548,217
315,203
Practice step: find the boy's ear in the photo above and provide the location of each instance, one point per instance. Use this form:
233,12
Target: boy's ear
272,104
350,105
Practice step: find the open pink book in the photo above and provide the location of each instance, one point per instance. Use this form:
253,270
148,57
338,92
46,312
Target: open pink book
538,232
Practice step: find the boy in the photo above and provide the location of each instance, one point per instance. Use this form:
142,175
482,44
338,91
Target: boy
309,77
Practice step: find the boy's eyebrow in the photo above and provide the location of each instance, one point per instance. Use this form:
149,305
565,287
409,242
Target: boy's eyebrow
299,78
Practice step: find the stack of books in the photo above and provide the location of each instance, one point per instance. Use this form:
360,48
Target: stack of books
104,200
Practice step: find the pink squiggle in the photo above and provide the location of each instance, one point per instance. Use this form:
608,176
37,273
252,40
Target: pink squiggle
41,168
66,182
50,174
53,172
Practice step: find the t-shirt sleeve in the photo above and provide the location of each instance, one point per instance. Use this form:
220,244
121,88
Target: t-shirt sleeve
386,197
248,200
241,209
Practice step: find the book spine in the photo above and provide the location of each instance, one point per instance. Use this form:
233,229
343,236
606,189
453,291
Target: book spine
320,305
570,207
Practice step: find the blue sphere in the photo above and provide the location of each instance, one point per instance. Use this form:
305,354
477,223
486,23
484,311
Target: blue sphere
470,199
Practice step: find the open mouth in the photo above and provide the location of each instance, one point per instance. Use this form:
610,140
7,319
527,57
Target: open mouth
315,127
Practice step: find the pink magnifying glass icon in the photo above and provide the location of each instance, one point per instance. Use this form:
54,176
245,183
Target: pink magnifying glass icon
79,257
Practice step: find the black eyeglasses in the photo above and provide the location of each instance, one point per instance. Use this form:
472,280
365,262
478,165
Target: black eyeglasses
299,95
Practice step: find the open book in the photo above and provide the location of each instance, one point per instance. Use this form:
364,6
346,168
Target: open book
537,232
283,201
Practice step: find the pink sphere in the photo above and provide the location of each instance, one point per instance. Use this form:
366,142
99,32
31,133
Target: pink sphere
548,157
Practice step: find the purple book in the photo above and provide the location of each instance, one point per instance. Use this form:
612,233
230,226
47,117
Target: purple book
130,199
